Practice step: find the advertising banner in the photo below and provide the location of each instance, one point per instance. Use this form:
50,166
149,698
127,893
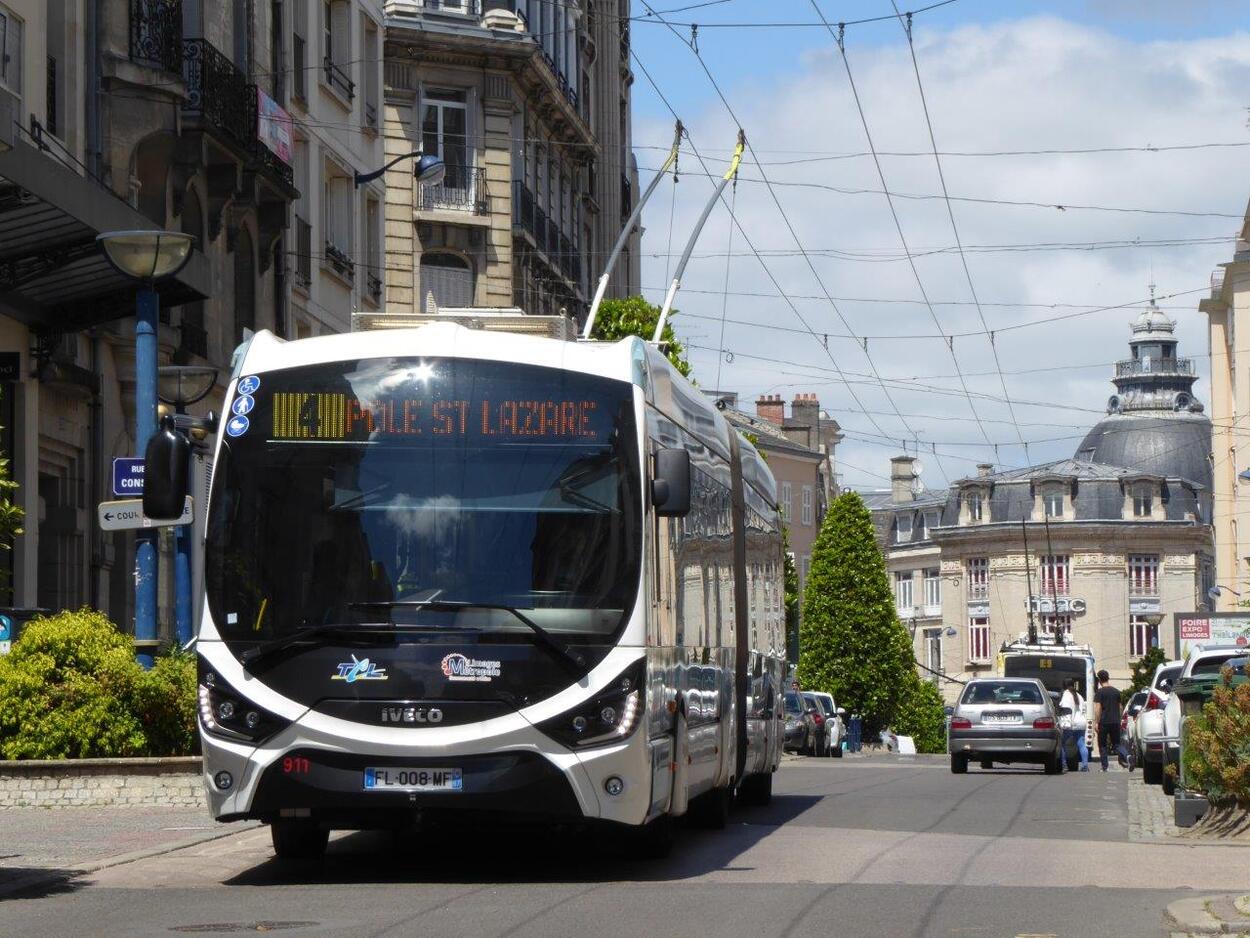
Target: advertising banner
1211,628
273,126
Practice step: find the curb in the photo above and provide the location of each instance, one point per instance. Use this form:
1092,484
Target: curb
36,879
1197,916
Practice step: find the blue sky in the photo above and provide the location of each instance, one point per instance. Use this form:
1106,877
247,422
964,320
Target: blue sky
997,76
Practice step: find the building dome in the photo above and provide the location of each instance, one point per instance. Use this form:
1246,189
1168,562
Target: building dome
1154,422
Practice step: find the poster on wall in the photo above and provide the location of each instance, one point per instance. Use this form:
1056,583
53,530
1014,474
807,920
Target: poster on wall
1210,628
273,126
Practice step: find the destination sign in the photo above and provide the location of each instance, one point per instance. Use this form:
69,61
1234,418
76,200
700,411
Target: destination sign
299,415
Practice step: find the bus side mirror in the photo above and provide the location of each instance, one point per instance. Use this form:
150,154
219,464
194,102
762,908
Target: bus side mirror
670,489
165,481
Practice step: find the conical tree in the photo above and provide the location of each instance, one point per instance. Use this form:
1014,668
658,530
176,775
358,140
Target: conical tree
851,641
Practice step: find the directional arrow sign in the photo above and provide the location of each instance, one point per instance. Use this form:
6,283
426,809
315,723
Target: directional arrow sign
127,515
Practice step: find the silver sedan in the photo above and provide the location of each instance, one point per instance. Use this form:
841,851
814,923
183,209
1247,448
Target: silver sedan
1004,720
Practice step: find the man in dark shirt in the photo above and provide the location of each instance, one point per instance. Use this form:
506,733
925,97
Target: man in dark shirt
1107,716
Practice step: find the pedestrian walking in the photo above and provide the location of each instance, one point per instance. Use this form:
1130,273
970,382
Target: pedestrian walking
1107,718
1073,725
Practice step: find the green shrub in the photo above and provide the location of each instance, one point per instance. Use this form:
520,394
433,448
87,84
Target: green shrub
71,688
921,715
1217,745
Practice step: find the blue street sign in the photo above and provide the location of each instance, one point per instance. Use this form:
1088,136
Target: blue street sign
127,477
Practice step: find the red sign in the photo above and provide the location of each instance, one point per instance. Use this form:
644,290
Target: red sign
1195,629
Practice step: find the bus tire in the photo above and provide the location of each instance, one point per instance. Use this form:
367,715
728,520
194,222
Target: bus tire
298,840
710,811
756,790
651,841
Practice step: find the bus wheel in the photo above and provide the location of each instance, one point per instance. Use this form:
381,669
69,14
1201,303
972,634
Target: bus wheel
711,811
652,841
756,790
299,840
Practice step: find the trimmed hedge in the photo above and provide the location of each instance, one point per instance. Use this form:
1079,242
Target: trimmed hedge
70,688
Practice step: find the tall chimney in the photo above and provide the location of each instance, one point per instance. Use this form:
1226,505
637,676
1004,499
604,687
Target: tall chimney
805,409
985,469
901,478
771,407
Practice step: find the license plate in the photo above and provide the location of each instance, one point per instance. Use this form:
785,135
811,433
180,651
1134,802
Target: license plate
1000,718
395,778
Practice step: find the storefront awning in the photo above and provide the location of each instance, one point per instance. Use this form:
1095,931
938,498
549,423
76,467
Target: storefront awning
53,275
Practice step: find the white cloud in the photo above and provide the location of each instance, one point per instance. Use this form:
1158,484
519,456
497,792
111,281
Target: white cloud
1030,84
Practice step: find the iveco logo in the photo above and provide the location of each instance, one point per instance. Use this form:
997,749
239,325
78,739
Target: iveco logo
412,715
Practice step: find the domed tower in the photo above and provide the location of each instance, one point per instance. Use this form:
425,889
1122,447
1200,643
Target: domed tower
1154,423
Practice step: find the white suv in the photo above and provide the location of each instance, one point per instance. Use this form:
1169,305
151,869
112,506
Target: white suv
1150,729
1204,660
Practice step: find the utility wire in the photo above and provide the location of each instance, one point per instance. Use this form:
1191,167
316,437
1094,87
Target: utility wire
793,233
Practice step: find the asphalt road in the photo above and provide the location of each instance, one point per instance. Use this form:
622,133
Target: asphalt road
855,847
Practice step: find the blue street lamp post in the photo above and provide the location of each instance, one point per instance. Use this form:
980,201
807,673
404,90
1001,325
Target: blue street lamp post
146,256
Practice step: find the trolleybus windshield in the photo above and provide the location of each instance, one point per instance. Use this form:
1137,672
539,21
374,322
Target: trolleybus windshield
1051,670
358,492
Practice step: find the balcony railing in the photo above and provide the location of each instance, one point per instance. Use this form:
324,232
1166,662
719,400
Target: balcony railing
1154,366
337,78
463,189
339,260
467,7
218,92
303,250
569,92
562,252
156,33
299,67
371,115
374,285
627,200
978,592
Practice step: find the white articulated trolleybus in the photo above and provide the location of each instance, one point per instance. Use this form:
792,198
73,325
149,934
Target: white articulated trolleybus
1051,662
453,572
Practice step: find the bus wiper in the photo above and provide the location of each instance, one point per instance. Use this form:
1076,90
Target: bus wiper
313,634
544,638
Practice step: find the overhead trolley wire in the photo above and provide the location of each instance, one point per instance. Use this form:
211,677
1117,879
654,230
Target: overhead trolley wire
793,233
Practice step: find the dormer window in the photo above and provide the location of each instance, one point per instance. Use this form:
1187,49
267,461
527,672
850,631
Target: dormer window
1143,500
902,529
1052,503
973,501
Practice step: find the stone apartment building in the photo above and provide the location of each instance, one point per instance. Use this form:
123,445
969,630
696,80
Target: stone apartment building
187,115
1104,553
528,105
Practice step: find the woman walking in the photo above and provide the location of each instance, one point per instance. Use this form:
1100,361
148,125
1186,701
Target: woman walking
1073,724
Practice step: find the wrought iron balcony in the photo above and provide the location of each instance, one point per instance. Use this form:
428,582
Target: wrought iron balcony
561,251
338,259
1154,366
374,284
463,189
218,93
338,79
569,92
156,33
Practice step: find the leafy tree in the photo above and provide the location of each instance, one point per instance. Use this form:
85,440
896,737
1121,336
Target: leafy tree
1142,671
71,688
792,598
1216,747
633,315
921,715
851,641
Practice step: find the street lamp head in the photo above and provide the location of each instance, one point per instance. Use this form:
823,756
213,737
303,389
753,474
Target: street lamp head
429,169
147,255
183,385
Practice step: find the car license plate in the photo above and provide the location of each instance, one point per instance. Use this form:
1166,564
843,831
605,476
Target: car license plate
396,778
1000,718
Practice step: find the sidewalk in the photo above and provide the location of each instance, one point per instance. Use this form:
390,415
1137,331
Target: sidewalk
41,846
1211,915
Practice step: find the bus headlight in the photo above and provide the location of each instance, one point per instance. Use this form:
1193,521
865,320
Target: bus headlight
225,713
608,718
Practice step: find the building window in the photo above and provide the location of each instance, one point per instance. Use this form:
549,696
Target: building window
1143,575
337,219
979,639
444,133
446,281
787,501
973,501
807,505
933,587
1055,577
11,45
244,286
903,593
373,250
902,529
933,654
1142,636
978,569
56,77
1057,625
336,46
1143,500
1052,503
928,521
369,70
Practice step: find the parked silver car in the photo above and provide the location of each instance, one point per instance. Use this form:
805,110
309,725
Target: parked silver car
1004,720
